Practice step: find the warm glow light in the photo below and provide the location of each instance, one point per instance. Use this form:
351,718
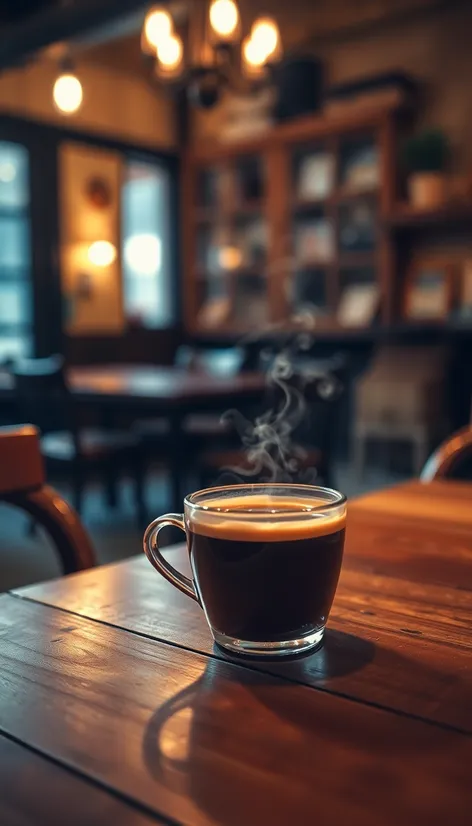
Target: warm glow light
101,253
67,94
143,253
224,17
158,26
229,258
265,37
170,52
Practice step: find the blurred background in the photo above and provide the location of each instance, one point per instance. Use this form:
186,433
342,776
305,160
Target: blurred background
229,204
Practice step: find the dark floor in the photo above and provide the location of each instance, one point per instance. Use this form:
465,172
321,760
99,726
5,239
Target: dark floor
25,559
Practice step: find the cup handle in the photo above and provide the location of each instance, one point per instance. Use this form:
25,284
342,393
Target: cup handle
151,549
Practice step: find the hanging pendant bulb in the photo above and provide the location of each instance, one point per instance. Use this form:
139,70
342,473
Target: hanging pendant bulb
67,92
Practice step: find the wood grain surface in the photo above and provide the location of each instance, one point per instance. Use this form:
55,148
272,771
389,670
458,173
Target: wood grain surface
112,673
36,792
442,503
399,635
202,741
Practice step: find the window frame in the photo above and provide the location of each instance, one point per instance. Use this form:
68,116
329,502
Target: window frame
43,142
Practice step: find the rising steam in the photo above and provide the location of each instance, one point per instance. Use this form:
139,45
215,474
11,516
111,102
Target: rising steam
271,452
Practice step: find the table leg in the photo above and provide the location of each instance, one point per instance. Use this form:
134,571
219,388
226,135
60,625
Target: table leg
176,462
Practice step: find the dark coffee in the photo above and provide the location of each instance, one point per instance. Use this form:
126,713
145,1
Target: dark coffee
266,580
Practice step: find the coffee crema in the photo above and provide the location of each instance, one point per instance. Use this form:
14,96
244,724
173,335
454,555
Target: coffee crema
266,568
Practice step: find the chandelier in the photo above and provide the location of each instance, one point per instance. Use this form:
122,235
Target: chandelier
206,50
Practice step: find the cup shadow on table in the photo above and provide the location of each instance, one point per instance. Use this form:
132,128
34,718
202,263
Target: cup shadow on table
340,655
208,741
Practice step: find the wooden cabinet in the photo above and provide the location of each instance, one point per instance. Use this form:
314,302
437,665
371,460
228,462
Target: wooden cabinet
277,231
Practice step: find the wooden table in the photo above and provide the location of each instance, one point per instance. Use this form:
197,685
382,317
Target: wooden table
168,392
150,386
116,708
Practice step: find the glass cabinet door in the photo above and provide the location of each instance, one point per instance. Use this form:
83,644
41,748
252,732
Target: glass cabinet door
335,230
231,245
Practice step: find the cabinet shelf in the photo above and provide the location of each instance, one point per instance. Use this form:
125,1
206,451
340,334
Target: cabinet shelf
345,260
307,205
404,216
346,194
256,272
332,331
301,206
312,266
245,209
249,208
357,259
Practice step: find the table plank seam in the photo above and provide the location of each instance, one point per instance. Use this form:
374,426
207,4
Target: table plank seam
250,666
343,615
134,803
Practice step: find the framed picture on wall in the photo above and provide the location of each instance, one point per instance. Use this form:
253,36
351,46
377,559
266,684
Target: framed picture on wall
429,290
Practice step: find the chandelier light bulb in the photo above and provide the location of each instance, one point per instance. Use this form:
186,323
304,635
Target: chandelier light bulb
254,54
170,52
67,94
158,26
265,37
224,17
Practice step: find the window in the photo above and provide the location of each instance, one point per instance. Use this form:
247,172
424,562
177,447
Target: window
16,336
147,277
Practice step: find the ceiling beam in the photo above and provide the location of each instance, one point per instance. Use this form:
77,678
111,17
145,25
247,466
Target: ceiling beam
66,22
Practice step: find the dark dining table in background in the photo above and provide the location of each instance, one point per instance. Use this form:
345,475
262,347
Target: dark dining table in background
116,707
166,392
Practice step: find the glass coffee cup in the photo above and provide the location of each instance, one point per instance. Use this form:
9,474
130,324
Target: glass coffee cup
266,560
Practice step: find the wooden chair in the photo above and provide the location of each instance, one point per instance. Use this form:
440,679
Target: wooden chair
43,398
400,398
452,459
22,484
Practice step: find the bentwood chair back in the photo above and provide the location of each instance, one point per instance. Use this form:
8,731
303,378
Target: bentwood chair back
452,459
22,484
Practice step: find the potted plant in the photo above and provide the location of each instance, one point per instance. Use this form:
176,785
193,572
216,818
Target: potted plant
426,157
